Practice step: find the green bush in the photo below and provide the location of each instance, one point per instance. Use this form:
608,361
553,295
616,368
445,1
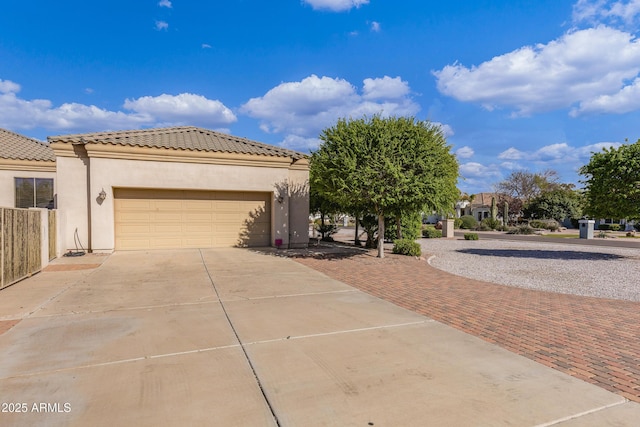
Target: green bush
430,232
604,227
411,224
547,224
490,224
637,226
522,229
615,227
406,247
468,222
471,236
457,223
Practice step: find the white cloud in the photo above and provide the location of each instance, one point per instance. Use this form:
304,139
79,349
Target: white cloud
375,27
298,143
7,86
165,3
386,87
554,153
185,108
478,170
593,11
511,154
304,108
335,5
625,101
511,166
206,46
162,26
579,67
19,113
465,152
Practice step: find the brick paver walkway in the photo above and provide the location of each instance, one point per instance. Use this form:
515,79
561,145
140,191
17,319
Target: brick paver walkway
596,340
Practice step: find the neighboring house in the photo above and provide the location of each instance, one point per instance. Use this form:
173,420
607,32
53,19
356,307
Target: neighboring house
478,206
27,172
179,187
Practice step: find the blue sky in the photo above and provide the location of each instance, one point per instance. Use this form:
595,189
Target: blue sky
515,84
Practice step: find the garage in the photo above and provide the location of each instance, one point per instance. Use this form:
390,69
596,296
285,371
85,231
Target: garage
163,219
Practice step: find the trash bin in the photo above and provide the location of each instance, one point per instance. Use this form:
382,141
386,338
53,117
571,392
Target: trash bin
586,228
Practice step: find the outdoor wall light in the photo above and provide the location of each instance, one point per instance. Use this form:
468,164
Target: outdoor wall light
102,195
280,199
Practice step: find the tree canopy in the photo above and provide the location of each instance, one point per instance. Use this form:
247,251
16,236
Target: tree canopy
612,187
385,166
557,204
525,185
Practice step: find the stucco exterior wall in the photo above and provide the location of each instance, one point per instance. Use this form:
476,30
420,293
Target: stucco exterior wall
82,210
7,186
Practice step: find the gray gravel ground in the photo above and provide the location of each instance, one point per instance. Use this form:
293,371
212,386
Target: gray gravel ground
602,272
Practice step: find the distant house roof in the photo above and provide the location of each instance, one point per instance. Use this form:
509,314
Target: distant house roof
17,147
483,199
180,138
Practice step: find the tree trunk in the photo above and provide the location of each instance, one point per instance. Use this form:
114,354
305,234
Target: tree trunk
380,236
399,227
322,225
356,241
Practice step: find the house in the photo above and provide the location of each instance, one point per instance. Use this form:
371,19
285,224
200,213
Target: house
27,172
477,205
178,187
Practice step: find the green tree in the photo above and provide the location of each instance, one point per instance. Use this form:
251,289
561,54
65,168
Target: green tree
390,165
556,204
612,187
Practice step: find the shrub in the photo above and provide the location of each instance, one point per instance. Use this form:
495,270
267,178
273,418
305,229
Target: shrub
468,222
471,236
547,224
410,223
489,224
637,226
457,223
430,232
521,229
326,230
406,247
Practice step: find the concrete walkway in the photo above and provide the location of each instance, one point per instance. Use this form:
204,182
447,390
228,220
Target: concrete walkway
231,337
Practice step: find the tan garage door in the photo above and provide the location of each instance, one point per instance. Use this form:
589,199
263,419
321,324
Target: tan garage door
162,219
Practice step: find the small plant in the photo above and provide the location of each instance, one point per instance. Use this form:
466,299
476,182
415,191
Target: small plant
406,247
468,222
457,223
547,224
522,229
430,232
489,224
471,236
326,230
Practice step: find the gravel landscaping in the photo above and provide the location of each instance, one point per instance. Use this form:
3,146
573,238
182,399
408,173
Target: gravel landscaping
602,272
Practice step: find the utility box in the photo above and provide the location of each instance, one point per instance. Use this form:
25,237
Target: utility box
447,228
586,228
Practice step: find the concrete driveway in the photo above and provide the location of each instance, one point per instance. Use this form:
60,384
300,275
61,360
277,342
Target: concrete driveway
231,337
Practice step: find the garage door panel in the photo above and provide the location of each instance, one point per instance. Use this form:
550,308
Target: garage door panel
150,219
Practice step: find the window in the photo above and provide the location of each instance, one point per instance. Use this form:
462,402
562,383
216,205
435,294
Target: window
34,193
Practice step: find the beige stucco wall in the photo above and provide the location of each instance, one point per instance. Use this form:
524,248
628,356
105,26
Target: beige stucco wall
81,209
7,188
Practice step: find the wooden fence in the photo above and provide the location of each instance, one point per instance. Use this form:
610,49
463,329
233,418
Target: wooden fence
53,243
20,244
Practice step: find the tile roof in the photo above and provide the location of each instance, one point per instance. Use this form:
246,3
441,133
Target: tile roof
17,147
180,138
